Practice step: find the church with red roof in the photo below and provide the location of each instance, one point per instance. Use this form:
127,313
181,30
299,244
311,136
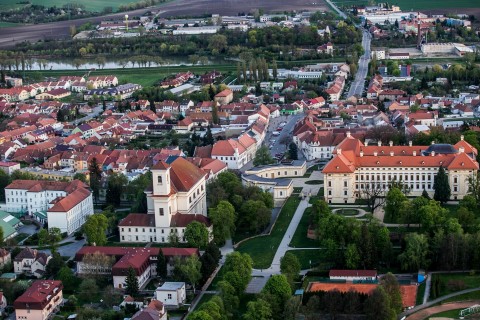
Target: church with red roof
176,198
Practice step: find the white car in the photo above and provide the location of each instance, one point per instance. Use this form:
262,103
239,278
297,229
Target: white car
275,133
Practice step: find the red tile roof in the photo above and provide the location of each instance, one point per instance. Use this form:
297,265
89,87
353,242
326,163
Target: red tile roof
70,201
37,294
181,220
138,220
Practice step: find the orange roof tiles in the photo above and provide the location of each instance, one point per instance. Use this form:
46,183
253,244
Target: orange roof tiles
409,292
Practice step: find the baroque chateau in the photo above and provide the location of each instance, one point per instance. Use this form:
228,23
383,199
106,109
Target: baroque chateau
356,167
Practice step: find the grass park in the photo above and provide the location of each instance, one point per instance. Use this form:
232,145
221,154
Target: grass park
454,282
450,314
262,249
300,239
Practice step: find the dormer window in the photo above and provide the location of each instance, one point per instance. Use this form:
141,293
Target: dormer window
159,179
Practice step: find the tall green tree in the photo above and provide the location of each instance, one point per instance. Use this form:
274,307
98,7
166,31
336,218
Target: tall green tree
95,229
258,310
95,177
414,257
223,220
116,184
393,202
392,289
293,151
290,266
276,291
131,283
189,270
161,265
441,186
196,234
377,306
263,157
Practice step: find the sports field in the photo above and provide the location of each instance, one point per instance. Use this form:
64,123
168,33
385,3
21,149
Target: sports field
91,5
407,5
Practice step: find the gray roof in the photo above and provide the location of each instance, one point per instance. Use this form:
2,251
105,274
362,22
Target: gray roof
275,182
440,148
171,286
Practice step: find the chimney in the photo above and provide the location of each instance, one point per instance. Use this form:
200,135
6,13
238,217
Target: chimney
379,143
339,151
433,153
390,143
391,153
462,137
361,153
375,153
410,143
349,134
414,153
461,149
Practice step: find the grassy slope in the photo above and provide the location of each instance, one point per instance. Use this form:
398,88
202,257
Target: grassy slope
470,281
300,239
262,249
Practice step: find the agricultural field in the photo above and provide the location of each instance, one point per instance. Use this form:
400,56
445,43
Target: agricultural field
90,5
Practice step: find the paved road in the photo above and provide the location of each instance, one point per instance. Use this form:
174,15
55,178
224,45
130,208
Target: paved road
95,113
274,123
358,85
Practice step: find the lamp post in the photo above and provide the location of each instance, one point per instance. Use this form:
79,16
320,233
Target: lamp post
126,21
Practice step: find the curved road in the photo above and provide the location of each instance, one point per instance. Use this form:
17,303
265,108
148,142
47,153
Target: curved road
61,29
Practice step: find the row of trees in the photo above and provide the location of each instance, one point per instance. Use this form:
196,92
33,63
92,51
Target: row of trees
237,275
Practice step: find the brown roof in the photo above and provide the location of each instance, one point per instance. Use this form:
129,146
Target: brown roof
182,220
138,220
36,297
185,174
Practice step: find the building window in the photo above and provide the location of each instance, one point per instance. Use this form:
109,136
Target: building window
123,237
345,184
345,192
455,180
169,296
159,179
329,183
329,192
160,211
455,189
136,237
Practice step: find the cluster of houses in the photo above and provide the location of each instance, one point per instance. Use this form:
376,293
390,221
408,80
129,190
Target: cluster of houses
55,90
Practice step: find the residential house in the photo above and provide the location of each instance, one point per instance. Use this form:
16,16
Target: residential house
224,97
31,262
40,301
172,294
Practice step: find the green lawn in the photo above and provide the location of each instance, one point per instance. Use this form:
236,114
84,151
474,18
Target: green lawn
300,239
454,314
307,256
347,212
469,282
464,297
262,249
407,5
420,293
4,24
297,189
91,5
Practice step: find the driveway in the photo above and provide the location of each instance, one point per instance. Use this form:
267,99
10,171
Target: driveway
68,250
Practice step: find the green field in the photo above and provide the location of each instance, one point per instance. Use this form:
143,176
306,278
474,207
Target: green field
262,249
420,293
453,314
407,5
142,76
464,297
309,258
91,5
300,239
469,282
4,24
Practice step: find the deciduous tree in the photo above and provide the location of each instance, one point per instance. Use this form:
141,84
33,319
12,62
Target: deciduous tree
196,234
